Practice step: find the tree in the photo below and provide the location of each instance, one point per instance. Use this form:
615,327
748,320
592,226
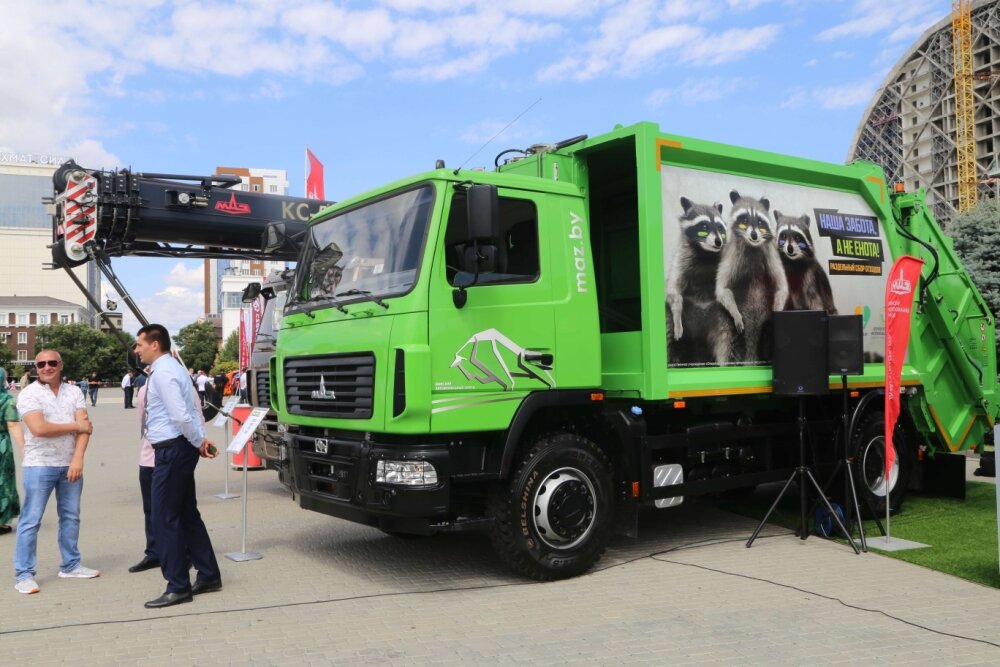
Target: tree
84,350
198,345
976,236
231,348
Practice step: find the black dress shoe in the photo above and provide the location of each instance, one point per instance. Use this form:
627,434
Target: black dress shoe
206,586
145,564
168,599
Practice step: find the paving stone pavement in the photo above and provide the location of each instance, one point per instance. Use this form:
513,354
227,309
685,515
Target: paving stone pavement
686,592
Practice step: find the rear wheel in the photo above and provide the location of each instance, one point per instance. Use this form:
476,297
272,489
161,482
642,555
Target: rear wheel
868,447
553,519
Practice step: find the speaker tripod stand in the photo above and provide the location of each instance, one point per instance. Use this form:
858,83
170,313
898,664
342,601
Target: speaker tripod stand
803,474
852,509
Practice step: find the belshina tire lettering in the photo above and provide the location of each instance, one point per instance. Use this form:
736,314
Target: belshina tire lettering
579,511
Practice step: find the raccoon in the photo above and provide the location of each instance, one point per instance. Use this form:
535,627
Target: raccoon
750,283
808,284
690,287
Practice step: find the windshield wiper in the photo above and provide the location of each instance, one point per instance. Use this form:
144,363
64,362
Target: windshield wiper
323,297
364,292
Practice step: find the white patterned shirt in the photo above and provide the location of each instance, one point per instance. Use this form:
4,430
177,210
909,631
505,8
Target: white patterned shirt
55,451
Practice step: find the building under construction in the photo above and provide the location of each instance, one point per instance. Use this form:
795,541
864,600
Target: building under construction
927,132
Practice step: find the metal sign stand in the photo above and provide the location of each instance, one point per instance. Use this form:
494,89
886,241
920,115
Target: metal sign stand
243,554
225,495
246,432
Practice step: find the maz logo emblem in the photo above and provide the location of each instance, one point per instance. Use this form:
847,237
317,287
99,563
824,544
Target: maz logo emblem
322,446
322,392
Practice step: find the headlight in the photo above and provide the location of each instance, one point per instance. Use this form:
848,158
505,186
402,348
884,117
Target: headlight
406,473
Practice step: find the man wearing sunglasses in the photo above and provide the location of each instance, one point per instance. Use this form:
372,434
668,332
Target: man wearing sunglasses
56,437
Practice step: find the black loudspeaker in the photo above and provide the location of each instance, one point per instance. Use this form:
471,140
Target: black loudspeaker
800,352
847,354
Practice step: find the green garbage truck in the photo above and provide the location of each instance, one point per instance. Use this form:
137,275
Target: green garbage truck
541,350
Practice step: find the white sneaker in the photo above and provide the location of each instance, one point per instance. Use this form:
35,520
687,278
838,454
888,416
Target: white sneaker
79,572
26,586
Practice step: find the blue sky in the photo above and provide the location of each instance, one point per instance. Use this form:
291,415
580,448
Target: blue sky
382,89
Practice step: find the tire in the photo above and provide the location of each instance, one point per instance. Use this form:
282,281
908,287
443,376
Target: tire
553,518
868,449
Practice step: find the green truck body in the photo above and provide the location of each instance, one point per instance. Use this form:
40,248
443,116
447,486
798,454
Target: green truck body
582,357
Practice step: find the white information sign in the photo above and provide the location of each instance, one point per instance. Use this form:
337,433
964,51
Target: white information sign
246,430
227,409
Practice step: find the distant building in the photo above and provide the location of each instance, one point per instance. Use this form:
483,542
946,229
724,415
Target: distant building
226,278
26,233
909,127
20,317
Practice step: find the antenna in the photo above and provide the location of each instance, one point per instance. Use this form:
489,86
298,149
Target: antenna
502,130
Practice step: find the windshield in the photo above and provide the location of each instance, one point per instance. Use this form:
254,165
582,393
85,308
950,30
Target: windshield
372,250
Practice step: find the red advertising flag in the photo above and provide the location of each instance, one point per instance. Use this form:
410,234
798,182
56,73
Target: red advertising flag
244,340
314,181
899,293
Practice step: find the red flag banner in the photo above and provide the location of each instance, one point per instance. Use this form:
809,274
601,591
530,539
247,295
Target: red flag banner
245,340
314,181
899,291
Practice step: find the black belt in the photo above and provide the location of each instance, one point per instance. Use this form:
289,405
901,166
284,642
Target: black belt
169,443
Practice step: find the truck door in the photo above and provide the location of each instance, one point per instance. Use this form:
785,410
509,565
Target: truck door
487,355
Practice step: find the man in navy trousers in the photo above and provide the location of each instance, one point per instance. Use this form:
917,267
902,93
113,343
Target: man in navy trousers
172,424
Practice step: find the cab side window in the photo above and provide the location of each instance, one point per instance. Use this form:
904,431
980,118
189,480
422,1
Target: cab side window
517,251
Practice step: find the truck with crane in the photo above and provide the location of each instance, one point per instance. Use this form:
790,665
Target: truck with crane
541,350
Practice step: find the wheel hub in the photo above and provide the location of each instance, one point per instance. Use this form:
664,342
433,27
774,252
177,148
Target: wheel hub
564,508
873,467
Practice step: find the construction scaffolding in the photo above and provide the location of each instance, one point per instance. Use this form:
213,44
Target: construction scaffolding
910,127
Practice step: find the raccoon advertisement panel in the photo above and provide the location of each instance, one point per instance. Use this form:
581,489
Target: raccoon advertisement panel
735,249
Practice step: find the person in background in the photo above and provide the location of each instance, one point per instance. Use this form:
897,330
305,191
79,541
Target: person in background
220,380
202,382
127,388
139,380
58,431
82,384
10,433
93,384
150,559
25,380
177,435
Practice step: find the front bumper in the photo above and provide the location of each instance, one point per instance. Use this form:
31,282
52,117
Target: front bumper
341,482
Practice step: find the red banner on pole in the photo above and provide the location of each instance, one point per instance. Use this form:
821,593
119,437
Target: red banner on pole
899,292
244,340
314,181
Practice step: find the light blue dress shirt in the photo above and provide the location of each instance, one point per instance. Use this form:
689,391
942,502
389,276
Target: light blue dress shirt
170,405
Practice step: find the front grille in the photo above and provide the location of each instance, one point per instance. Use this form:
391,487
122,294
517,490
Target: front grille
263,382
341,385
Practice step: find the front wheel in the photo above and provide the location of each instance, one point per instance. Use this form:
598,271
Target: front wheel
868,446
553,519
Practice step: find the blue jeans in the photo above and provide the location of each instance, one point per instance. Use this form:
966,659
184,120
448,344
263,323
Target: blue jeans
39,481
93,396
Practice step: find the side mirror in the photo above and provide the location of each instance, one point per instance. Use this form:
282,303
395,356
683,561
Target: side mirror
273,238
268,293
251,292
484,213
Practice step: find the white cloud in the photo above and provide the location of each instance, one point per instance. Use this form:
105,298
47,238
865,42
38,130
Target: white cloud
173,307
731,45
637,36
840,96
183,276
696,91
901,19
845,95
